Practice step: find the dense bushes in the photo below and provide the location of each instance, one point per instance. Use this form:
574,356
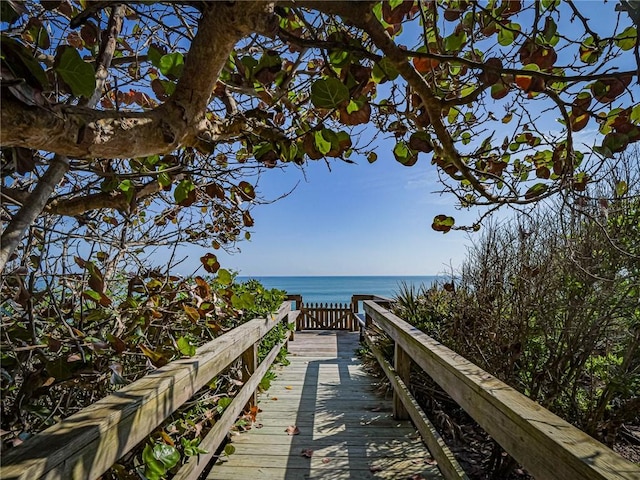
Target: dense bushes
550,304
71,340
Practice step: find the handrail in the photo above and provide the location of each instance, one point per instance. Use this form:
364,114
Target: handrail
86,444
546,445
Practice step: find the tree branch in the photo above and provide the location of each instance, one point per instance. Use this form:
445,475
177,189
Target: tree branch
364,19
60,164
84,133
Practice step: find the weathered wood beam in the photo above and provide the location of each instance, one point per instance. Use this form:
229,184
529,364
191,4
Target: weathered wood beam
545,444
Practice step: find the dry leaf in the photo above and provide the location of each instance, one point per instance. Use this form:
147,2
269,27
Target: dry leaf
431,461
307,453
326,460
167,439
274,398
292,430
288,387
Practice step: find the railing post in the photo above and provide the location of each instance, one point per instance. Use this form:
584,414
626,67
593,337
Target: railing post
354,318
291,333
402,366
249,365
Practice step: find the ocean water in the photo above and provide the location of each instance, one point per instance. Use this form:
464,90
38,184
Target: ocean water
327,289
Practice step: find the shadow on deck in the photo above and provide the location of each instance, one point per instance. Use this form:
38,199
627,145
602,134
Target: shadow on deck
346,430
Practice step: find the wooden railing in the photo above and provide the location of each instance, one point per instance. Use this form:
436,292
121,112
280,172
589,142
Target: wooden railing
547,446
85,445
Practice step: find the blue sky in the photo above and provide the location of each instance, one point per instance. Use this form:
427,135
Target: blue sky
362,219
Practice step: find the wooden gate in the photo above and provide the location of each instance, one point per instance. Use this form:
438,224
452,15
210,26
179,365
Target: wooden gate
319,316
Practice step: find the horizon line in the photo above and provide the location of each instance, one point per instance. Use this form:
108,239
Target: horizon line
343,275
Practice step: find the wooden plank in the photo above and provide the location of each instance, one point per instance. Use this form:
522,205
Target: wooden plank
447,462
87,443
195,465
344,445
336,410
402,464
546,445
325,473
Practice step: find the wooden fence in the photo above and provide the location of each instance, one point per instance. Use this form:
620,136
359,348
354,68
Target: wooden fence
547,446
326,316
330,316
85,445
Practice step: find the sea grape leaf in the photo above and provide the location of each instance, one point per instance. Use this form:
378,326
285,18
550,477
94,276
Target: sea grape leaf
172,65
328,93
536,190
75,72
405,155
167,454
442,223
186,347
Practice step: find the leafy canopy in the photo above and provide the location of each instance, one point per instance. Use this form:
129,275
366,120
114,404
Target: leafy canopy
512,101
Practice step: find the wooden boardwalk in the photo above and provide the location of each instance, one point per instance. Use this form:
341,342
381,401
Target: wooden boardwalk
346,430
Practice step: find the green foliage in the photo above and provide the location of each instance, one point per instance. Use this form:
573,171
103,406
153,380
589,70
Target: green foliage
87,348
158,459
76,73
550,305
287,100
329,93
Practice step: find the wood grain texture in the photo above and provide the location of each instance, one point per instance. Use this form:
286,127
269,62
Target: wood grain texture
197,464
447,463
546,445
344,425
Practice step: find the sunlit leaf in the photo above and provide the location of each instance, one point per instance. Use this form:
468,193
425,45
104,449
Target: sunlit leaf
536,190
154,468
621,188
246,191
167,454
507,34
322,144
627,39
383,71
590,51
224,277
328,93
157,358
172,64
75,72
454,42
405,155
191,312
185,192
186,347
442,223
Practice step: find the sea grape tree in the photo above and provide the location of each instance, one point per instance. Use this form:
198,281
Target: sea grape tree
149,113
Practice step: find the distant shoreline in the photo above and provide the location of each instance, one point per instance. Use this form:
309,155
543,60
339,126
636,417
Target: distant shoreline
340,288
